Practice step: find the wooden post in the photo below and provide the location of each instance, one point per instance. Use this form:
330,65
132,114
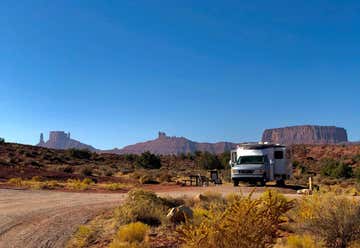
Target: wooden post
310,183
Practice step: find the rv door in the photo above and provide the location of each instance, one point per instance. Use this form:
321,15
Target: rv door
233,158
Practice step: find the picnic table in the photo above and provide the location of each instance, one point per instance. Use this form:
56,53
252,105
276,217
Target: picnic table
196,180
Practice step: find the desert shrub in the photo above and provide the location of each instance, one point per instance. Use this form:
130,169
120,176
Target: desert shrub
36,178
68,169
182,156
333,218
142,206
115,186
246,222
49,185
336,169
84,236
87,181
86,171
302,241
130,157
197,153
208,200
209,161
224,159
77,184
108,173
16,181
356,158
147,179
164,177
148,160
79,153
357,174
133,232
35,164
300,168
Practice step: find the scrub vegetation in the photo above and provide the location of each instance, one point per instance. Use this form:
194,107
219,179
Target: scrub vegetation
325,219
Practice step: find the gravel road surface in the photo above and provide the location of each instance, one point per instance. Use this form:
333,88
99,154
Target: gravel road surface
41,219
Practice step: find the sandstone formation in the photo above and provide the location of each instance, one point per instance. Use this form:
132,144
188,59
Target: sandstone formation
173,145
305,135
62,140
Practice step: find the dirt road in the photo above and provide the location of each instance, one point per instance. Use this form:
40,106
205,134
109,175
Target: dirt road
39,219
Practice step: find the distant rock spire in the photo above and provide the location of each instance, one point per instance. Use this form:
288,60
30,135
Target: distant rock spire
162,135
42,138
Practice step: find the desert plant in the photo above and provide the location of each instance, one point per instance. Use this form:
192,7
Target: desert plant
68,169
148,160
357,174
130,157
143,206
336,169
114,186
302,241
209,161
36,178
87,181
77,184
224,159
333,218
79,153
84,236
16,181
86,171
133,232
147,179
246,222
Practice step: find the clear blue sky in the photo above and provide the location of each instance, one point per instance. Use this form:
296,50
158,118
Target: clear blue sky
115,72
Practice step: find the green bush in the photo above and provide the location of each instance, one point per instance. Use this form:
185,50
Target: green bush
68,169
357,174
86,171
224,159
79,153
143,206
336,169
148,160
130,157
2,140
209,161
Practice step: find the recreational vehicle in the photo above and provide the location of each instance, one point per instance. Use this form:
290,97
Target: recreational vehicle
260,163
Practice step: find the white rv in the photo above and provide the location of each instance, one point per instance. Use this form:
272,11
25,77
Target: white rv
260,162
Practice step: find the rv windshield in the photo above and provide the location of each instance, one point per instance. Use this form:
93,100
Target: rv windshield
251,160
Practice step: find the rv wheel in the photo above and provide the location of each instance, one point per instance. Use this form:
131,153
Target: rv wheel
280,182
263,182
236,183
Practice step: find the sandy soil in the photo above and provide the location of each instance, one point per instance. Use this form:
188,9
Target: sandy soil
39,219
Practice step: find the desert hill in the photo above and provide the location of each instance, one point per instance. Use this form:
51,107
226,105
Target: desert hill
174,145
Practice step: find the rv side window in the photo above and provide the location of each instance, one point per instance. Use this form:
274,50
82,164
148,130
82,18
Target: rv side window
278,154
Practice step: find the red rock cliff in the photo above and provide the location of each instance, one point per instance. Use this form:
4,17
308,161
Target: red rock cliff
305,135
